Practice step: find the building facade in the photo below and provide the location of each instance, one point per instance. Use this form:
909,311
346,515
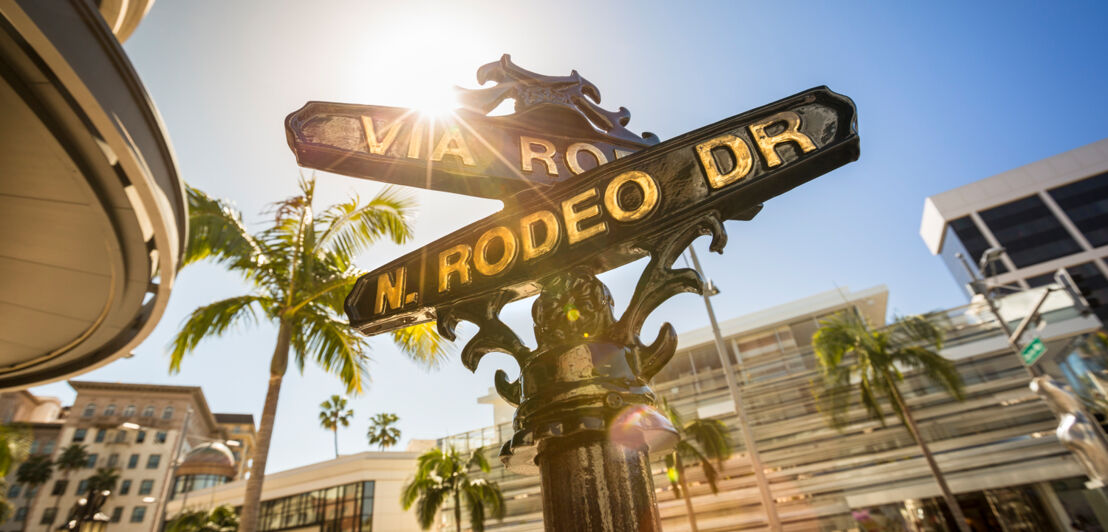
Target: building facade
140,431
355,493
43,417
997,447
1050,214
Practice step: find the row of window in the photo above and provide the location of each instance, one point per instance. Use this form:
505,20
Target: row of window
128,411
146,487
138,513
79,436
43,446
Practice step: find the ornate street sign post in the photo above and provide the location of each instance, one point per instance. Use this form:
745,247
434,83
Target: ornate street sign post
582,195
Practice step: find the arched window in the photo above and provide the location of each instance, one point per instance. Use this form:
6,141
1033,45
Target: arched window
129,411
90,410
167,413
148,411
110,410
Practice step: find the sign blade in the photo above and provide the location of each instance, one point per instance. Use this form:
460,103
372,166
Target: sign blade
606,217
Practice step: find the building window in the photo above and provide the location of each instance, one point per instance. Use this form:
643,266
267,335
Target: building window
91,462
160,436
140,437
153,460
1086,204
31,491
137,514
13,491
79,435
113,460
109,410
146,487
1029,232
34,447
82,487
121,436
100,435
59,487
117,514
21,514
167,413
129,411
148,411
337,508
90,410
132,462
48,448
48,516
125,487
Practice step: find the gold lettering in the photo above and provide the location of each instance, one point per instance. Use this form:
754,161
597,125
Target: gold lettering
415,140
573,217
452,136
649,196
481,261
739,149
767,144
527,155
388,291
379,146
576,148
459,265
527,234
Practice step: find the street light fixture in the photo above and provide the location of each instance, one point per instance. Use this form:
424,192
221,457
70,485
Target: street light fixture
130,426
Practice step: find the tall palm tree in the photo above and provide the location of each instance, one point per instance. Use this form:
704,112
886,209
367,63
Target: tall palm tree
443,474
104,479
220,519
69,460
33,473
301,268
382,432
15,444
848,351
701,441
332,414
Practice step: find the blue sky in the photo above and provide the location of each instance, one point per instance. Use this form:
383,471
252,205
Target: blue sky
947,93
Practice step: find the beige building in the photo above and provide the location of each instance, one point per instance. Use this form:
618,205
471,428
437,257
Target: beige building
358,492
44,417
140,430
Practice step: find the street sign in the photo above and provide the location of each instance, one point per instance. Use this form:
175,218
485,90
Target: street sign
613,214
557,132
1032,352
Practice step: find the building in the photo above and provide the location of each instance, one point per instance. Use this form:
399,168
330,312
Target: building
44,417
1050,214
356,492
93,209
997,447
136,429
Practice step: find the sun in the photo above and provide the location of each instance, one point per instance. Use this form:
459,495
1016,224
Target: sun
434,99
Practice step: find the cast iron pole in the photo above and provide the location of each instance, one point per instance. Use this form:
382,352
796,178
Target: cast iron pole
768,503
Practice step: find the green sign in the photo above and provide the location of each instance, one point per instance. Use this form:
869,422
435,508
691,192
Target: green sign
1033,351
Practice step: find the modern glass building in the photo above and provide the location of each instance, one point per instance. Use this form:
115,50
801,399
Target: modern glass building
1047,215
997,446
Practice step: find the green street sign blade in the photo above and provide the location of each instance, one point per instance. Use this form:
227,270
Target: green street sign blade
1033,351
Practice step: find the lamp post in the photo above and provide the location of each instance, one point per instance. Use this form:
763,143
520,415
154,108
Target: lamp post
981,286
768,503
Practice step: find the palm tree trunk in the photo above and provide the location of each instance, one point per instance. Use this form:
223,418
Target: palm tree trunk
335,431
948,496
457,511
277,369
685,489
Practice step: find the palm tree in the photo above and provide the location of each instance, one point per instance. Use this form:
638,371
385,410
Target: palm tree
700,440
71,459
848,351
332,413
104,480
443,474
301,268
15,443
382,432
33,473
220,519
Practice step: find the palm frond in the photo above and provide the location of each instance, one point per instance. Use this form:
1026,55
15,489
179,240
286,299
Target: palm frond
428,505
351,227
672,474
216,230
211,320
712,436
423,344
334,346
